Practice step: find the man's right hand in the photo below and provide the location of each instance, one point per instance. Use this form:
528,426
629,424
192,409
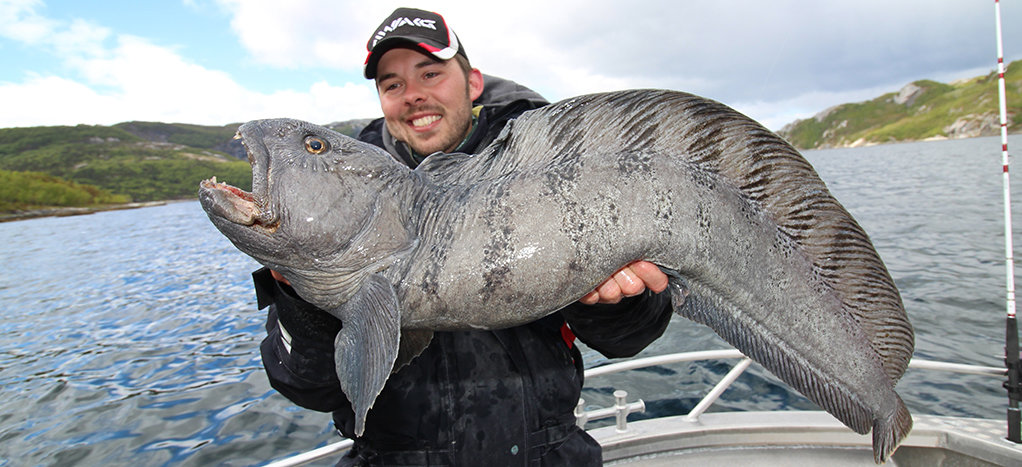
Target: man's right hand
276,275
628,281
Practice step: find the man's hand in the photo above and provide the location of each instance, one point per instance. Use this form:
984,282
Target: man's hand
628,281
276,275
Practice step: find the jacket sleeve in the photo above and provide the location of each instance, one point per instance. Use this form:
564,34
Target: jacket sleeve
298,351
622,329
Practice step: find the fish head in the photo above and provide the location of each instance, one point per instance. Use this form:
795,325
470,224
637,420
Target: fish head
313,192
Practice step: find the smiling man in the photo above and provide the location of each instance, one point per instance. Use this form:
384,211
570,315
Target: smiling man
503,397
424,99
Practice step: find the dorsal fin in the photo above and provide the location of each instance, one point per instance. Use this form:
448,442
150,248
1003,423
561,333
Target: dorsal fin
776,177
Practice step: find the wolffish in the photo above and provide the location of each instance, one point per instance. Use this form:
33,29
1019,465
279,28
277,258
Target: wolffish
754,244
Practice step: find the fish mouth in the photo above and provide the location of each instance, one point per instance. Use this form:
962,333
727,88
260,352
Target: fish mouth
234,204
230,202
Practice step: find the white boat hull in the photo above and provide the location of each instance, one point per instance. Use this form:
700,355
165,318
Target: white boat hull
800,438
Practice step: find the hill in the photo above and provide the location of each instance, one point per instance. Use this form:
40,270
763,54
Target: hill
212,138
350,127
28,190
920,110
117,161
48,167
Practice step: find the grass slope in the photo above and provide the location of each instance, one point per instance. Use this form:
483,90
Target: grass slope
117,161
921,110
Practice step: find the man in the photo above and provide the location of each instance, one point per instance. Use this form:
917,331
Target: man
503,397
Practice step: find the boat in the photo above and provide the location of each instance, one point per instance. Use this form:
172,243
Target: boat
765,438
792,437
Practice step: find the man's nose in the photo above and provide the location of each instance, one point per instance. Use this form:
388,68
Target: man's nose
414,93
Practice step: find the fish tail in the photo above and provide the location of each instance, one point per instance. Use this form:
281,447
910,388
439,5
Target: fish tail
784,362
888,432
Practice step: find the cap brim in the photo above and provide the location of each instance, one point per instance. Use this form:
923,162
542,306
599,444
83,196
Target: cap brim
373,59
424,46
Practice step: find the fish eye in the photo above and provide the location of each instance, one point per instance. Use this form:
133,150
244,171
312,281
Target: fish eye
316,145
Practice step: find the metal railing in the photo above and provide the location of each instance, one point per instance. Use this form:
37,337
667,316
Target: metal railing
622,408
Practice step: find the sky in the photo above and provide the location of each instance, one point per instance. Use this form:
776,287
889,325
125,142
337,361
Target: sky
218,62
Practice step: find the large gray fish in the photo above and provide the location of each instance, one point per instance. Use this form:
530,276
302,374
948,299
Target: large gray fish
754,244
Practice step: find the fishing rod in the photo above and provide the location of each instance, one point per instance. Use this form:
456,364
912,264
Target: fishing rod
1011,348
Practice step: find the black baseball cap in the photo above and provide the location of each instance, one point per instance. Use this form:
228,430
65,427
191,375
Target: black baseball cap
425,30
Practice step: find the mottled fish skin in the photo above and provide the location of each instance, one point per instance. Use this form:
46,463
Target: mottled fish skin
754,244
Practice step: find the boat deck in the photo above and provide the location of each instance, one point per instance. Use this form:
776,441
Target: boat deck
800,438
751,438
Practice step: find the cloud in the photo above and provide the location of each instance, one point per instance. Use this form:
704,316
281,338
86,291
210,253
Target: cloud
769,50
758,56
118,77
33,100
774,61
304,33
19,21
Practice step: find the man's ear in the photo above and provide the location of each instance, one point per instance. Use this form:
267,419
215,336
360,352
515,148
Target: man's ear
475,84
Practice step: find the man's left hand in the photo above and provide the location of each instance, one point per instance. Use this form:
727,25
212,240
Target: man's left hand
628,281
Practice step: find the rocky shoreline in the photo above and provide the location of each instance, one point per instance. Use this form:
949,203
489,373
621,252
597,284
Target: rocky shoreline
72,211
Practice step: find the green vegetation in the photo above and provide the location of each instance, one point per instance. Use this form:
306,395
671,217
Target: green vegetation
89,165
139,170
921,110
178,133
17,140
29,190
350,127
161,178
212,138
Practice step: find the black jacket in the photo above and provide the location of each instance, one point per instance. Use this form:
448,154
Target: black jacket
500,397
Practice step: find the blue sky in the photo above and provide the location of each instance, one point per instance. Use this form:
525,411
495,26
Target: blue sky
224,61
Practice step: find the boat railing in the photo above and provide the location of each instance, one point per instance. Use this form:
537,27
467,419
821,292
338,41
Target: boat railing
622,408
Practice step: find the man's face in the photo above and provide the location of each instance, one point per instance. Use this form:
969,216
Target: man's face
426,103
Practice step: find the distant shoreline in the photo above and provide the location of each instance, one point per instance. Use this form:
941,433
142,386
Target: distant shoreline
73,211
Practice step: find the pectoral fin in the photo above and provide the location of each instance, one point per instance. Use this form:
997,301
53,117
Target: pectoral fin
413,342
367,346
